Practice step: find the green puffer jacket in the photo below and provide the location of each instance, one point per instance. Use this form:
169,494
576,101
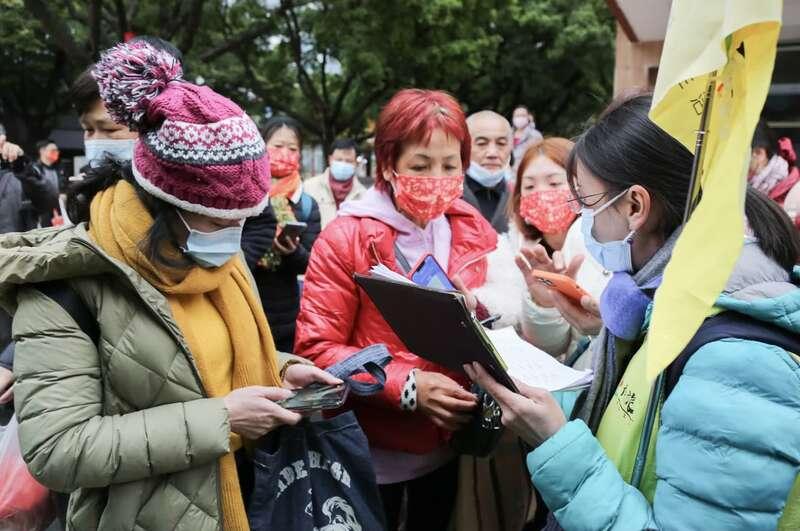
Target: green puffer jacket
125,426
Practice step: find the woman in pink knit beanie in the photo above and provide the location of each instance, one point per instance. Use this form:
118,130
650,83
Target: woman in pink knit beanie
144,359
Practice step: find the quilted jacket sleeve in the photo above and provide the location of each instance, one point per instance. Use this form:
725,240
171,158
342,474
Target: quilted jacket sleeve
330,309
728,451
66,440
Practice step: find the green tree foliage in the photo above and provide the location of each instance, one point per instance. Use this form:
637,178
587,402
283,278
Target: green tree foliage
328,63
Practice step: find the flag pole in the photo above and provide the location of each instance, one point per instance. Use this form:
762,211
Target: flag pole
692,200
693,197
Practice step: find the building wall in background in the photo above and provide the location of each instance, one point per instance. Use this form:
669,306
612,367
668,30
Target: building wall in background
636,64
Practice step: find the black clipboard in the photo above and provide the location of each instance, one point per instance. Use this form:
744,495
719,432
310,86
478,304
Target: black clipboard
435,325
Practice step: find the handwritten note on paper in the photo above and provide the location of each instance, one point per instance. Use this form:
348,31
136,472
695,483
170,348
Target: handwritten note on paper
533,366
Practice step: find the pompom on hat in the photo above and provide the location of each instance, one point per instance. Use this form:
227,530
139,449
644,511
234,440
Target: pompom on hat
197,150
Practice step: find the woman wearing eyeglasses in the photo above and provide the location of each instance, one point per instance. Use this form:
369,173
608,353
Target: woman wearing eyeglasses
546,217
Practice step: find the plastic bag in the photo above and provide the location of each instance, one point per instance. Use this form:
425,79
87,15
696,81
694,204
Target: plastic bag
24,503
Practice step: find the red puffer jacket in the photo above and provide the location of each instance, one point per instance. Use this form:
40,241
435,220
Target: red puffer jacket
337,318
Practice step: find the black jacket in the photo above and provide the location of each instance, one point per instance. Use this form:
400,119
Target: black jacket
279,291
45,182
492,202
25,196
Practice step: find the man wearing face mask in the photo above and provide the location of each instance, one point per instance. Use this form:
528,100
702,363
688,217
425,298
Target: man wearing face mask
46,177
338,183
486,182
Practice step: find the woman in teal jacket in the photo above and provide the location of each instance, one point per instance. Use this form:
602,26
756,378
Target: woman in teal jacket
724,451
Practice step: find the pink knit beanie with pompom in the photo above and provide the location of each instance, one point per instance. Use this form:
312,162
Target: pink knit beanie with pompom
197,150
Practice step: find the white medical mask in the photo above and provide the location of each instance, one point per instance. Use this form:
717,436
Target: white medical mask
121,149
212,249
486,178
342,171
520,122
614,256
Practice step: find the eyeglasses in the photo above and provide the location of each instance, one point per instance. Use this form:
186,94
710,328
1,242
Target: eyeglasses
585,201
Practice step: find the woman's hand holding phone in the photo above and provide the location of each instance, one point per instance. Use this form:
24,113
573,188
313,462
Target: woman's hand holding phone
582,313
583,316
253,411
535,258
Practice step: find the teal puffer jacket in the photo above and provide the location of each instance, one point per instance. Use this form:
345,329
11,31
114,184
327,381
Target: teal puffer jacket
728,448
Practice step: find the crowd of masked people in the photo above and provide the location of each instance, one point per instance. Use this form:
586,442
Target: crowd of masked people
180,251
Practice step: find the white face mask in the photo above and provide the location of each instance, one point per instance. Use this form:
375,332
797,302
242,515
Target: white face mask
212,249
486,178
342,171
120,149
520,122
615,256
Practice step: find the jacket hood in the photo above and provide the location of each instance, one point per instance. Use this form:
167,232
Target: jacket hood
472,236
378,205
760,288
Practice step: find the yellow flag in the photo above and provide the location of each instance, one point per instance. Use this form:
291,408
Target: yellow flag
731,43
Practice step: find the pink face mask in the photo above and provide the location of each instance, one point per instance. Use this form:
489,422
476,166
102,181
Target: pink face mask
548,210
426,197
283,162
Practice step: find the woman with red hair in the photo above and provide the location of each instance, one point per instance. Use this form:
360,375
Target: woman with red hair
422,147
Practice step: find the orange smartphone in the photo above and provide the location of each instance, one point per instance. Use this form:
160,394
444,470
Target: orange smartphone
561,283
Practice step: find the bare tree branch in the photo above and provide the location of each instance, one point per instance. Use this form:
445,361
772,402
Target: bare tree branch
234,43
337,105
73,14
367,102
174,20
191,25
133,9
258,86
122,18
58,29
323,79
305,82
95,22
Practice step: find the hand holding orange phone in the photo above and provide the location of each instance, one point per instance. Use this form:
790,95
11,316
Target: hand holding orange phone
561,283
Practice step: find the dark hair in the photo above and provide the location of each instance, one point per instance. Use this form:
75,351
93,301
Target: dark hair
160,44
41,144
776,233
84,91
625,148
276,122
764,137
101,175
345,144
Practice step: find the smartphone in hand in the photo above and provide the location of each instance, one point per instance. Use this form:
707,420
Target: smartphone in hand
561,283
316,397
292,230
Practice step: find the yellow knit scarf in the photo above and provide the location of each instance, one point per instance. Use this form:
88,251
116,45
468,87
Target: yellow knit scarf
119,223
